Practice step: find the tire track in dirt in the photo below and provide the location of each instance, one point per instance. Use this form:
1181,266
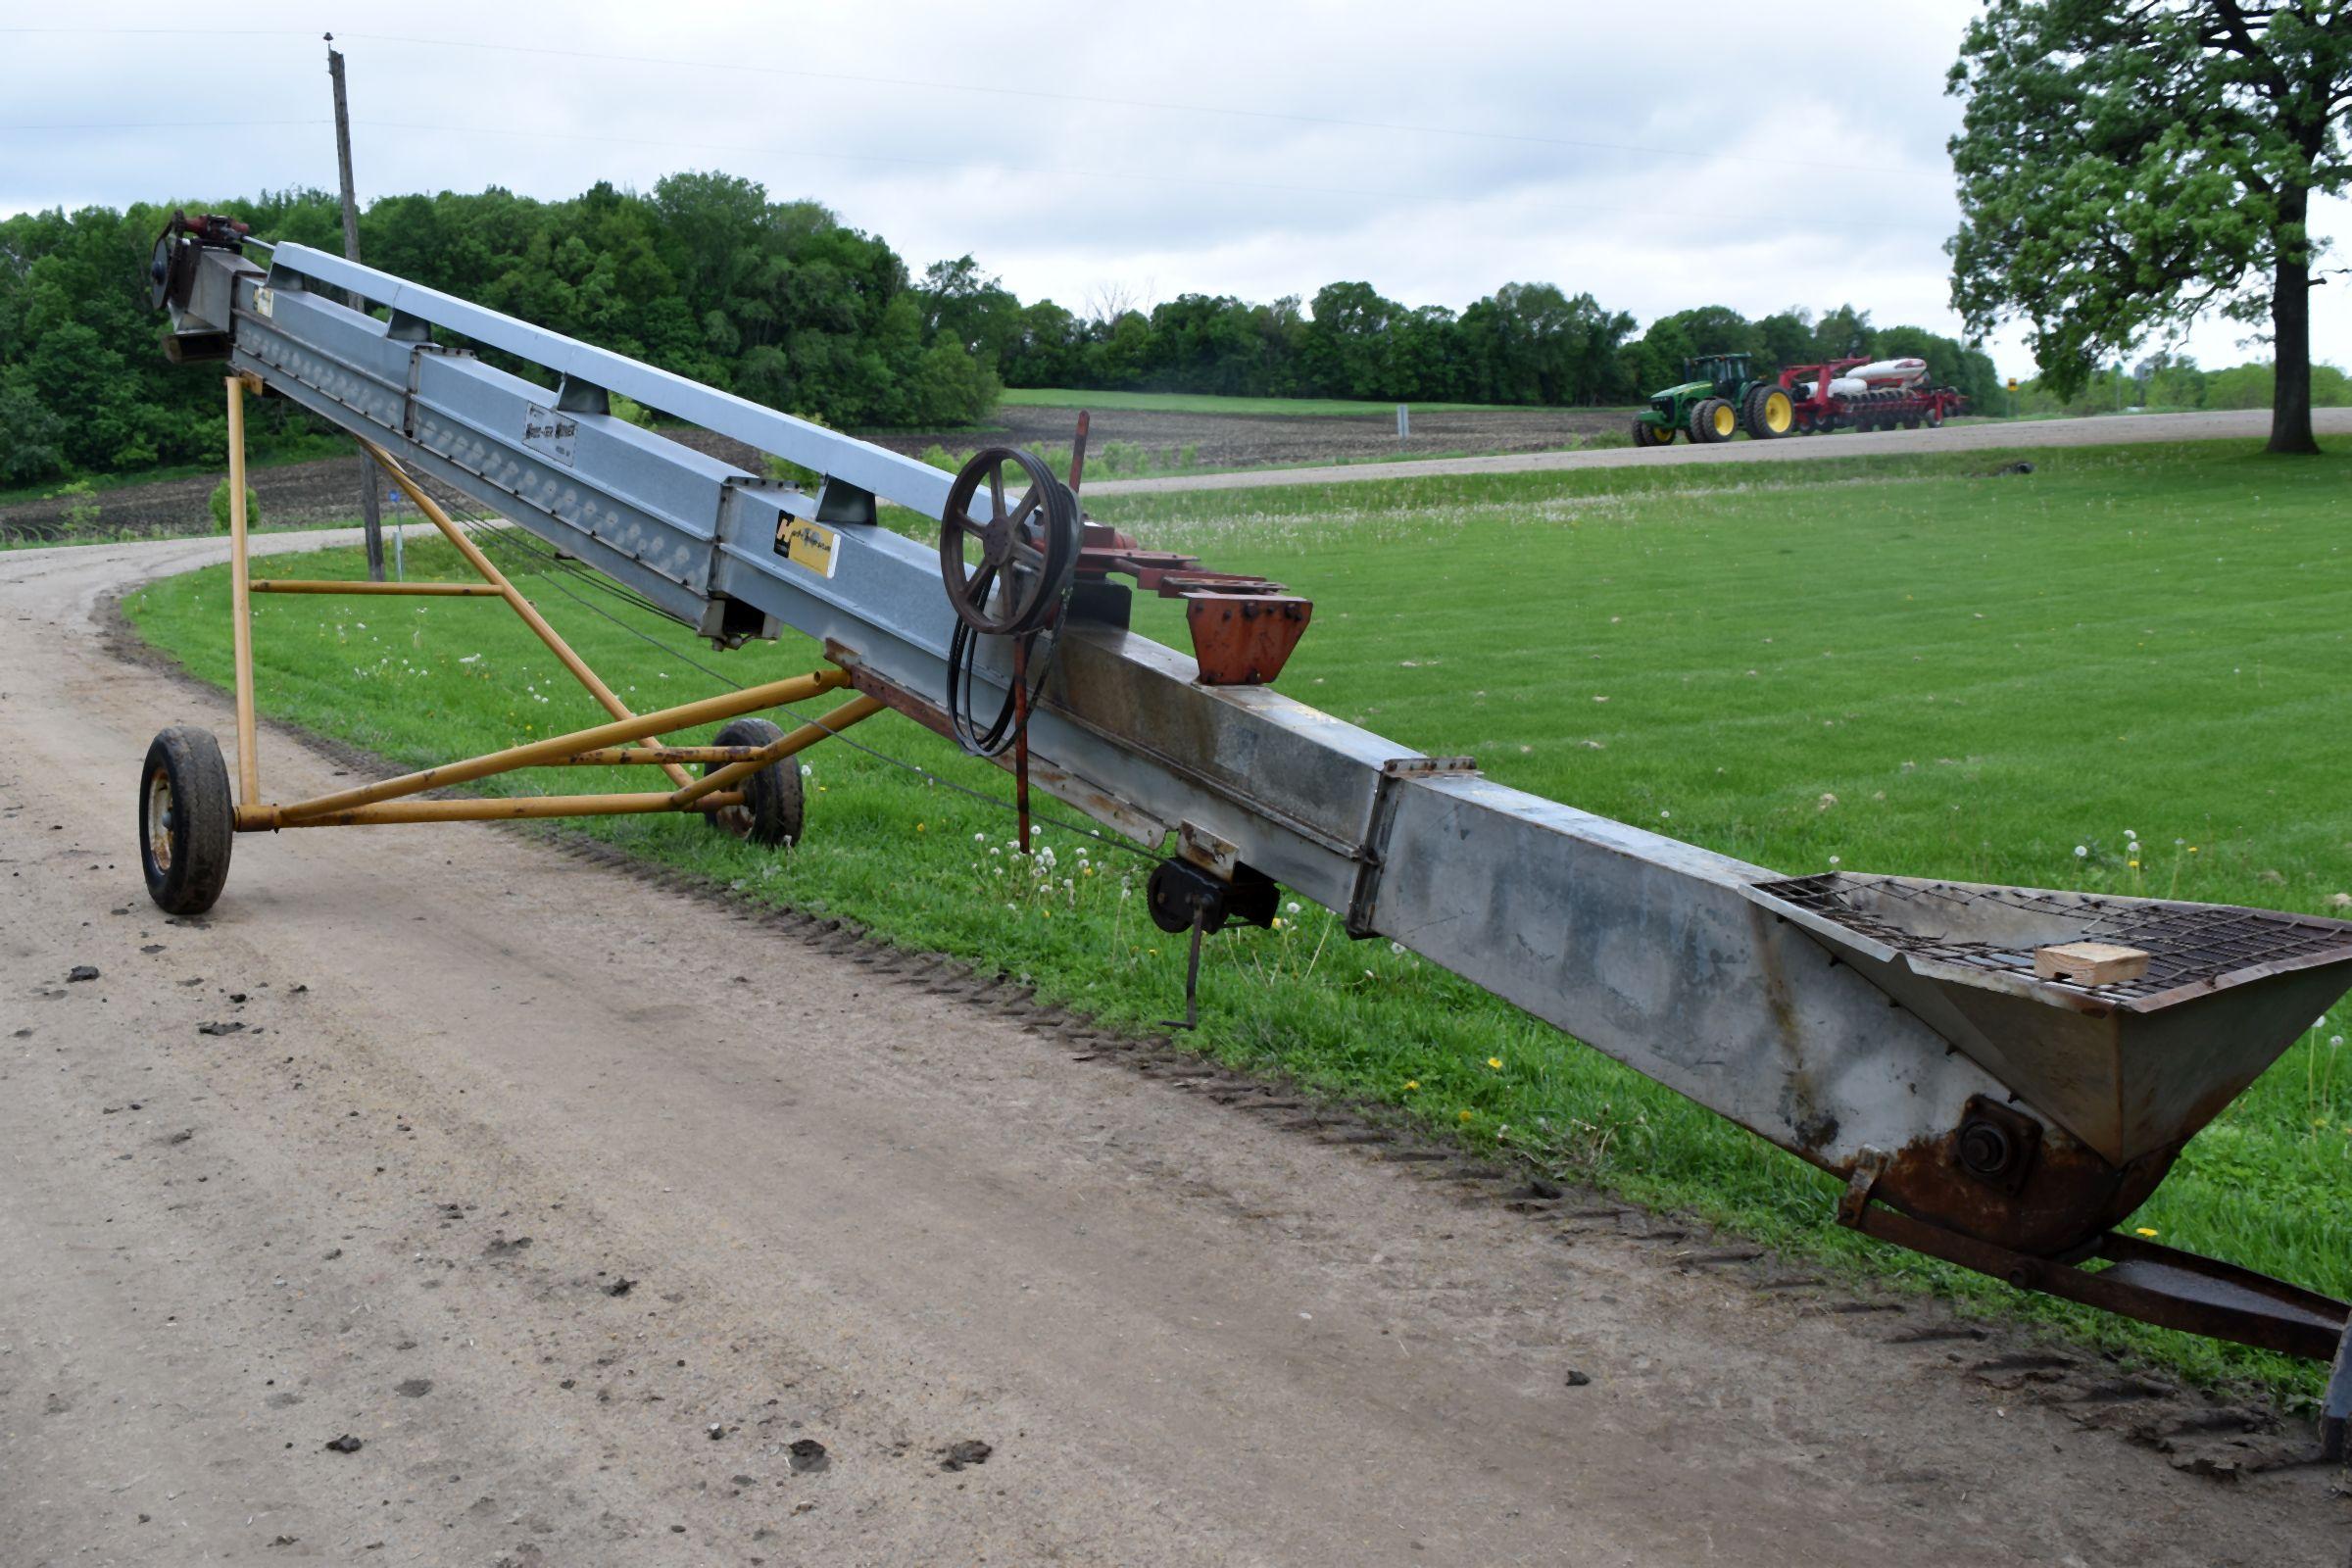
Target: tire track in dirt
483,1078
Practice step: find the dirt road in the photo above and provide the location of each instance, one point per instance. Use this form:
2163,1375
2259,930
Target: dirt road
2250,425
621,1228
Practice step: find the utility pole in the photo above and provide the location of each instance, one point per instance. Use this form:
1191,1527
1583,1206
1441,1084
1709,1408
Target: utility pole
372,521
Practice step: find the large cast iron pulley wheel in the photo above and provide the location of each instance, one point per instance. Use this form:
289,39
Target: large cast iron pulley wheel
1027,550
187,821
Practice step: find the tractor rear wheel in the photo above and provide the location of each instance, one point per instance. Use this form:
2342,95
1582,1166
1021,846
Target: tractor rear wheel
1771,414
1713,420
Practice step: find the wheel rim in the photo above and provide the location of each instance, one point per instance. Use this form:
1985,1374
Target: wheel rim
1725,422
1778,413
160,825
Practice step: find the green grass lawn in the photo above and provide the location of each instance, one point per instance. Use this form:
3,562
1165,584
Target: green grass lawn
2123,671
1040,397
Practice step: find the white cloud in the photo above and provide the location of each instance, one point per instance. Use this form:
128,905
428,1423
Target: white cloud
1732,156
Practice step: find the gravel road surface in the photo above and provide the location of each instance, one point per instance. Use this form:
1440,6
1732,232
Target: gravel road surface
617,1226
2251,424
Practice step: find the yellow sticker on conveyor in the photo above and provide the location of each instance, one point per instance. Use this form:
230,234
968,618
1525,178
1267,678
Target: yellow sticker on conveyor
807,544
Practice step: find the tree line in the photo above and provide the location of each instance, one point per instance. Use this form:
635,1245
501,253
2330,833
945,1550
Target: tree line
782,303
1526,343
705,275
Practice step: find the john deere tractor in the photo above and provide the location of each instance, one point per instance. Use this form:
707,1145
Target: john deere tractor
1721,397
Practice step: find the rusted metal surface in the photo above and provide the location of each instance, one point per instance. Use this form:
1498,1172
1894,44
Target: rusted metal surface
2060,1195
1242,639
634,756
1242,627
554,748
421,590
791,744
2143,1280
262,818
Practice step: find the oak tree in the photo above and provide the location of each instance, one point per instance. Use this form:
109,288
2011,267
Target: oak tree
2126,167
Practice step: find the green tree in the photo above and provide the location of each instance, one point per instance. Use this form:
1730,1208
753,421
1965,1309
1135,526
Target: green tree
2126,167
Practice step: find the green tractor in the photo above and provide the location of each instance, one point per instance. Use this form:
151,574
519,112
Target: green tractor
1722,397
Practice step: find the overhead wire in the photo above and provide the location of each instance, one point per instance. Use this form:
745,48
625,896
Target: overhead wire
499,538
987,89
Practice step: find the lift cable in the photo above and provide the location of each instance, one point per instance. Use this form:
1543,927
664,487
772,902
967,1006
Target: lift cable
491,536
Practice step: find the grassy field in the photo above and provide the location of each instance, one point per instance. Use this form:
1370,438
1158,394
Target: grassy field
2123,671
1046,397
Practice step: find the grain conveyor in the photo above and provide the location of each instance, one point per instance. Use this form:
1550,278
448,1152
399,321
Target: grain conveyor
1999,1075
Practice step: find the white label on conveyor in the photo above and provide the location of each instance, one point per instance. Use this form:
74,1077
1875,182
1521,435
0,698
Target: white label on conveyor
545,430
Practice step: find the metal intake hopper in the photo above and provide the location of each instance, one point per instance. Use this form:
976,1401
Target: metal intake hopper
2130,1067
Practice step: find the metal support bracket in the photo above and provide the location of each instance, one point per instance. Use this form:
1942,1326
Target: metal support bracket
1854,1203
1371,856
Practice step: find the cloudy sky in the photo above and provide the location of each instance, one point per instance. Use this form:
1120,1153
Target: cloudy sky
1655,157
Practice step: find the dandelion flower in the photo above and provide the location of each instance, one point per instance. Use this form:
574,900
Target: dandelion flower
1412,1083
1290,908
922,827
2081,852
1278,922
1465,1116
2147,1230
1494,1062
1834,861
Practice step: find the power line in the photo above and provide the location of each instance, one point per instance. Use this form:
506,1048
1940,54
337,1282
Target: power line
478,527
166,125
1101,101
1712,216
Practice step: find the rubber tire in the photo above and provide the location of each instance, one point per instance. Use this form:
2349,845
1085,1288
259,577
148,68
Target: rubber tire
1647,434
1701,421
203,823
1934,415
1752,413
1910,421
774,807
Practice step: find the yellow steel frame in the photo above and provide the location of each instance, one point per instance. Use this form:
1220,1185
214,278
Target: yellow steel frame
629,740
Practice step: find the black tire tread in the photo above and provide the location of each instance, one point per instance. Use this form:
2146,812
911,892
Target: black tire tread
205,820
773,795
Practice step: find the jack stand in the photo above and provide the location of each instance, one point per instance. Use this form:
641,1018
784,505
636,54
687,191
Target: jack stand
1192,980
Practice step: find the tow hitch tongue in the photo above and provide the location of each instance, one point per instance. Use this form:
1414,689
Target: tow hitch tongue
1999,1075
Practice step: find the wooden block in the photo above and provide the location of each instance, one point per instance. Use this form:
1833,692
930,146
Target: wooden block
2089,964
